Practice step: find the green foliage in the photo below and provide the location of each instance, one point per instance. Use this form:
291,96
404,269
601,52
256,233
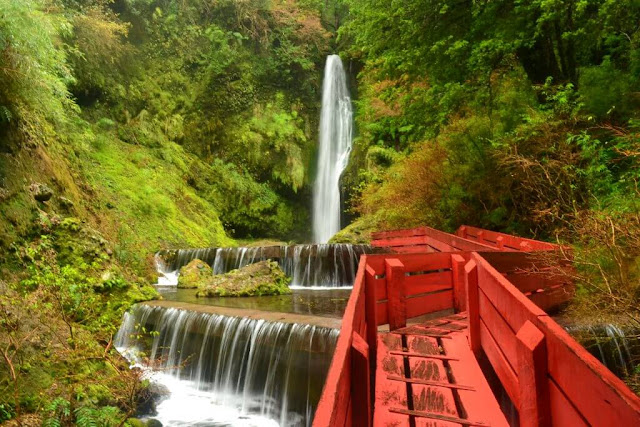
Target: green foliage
32,52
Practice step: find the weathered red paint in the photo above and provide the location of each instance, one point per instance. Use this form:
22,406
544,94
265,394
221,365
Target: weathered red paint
532,376
397,305
434,378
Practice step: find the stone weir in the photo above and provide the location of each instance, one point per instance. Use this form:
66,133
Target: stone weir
322,265
228,370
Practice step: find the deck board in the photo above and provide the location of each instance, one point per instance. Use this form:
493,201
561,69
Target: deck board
467,401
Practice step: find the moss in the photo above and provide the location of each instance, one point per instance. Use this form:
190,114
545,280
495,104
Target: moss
259,279
358,232
194,274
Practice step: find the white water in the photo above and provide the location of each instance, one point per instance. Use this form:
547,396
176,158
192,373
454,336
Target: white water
227,370
334,148
321,266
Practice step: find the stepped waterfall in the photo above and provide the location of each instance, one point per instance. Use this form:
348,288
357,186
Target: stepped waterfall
240,371
333,150
228,370
309,266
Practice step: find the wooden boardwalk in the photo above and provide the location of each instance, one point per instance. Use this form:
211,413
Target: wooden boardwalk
490,346
429,374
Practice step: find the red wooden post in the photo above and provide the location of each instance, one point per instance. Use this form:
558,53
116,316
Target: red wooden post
360,382
396,305
532,376
462,232
473,305
459,291
500,242
480,236
370,302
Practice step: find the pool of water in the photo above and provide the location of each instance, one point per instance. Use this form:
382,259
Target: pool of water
316,302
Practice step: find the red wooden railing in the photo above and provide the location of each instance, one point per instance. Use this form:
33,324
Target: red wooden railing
503,241
549,377
347,393
547,286
425,240
388,289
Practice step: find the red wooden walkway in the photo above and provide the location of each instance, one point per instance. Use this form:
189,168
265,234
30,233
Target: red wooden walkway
476,327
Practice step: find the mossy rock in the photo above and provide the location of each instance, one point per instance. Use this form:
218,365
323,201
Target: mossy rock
195,274
259,279
358,232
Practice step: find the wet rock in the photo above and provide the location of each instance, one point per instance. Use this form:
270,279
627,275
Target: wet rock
194,274
149,397
259,279
41,192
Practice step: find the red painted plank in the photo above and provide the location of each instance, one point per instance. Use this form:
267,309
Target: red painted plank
432,399
507,376
411,241
382,315
360,387
418,306
552,298
534,408
481,404
412,262
335,398
600,396
504,336
528,282
563,412
389,394
416,249
512,305
491,237
371,311
473,305
396,305
431,282
457,273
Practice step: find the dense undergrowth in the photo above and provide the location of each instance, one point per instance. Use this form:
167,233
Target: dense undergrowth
514,116
145,124
127,126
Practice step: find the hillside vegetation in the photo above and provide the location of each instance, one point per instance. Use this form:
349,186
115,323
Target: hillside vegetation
127,126
520,117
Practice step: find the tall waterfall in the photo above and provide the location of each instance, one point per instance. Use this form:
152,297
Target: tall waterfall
334,149
228,370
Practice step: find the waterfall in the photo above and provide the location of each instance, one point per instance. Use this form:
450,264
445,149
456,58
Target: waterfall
309,266
618,348
334,148
228,370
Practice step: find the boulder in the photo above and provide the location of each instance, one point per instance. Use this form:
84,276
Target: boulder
259,279
194,274
41,192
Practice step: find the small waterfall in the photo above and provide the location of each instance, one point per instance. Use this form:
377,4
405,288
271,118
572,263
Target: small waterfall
617,349
334,148
309,266
228,370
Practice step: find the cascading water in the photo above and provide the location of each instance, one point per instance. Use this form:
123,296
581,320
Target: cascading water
309,266
616,349
334,148
228,370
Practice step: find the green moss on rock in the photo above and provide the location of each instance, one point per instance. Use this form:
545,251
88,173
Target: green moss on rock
194,274
259,279
358,232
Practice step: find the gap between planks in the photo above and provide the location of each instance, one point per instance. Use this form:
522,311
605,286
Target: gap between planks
431,383
439,417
